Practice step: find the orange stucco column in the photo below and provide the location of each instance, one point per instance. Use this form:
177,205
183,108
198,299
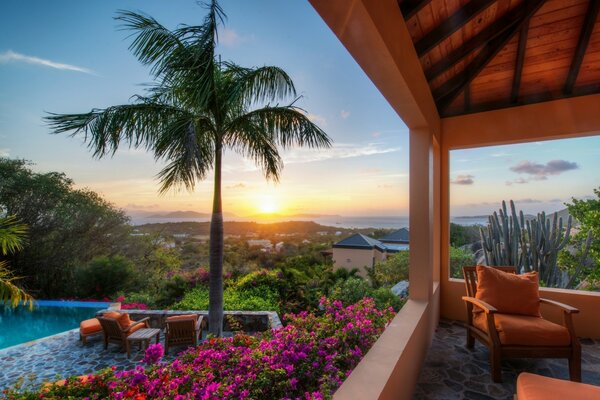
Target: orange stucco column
421,214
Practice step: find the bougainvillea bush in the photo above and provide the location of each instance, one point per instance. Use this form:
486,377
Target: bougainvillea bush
307,359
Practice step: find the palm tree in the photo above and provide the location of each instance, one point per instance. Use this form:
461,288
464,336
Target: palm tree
12,236
198,108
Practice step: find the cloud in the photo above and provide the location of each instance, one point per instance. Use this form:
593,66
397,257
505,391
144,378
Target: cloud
10,56
344,114
528,201
500,154
372,171
463,180
385,186
518,181
236,186
141,206
376,134
230,38
339,150
555,201
4,152
318,119
542,171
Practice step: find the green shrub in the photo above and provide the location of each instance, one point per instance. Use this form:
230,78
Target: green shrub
260,299
104,277
460,258
352,290
391,271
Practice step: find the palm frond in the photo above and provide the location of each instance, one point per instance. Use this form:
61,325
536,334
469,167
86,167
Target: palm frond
287,125
9,292
138,125
188,143
264,84
256,143
12,235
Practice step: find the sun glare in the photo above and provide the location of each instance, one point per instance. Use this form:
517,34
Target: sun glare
268,205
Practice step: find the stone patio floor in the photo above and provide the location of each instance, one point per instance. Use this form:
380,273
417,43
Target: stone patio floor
63,355
451,371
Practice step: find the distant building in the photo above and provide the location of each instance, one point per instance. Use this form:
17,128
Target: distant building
181,235
279,246
362,252
264,243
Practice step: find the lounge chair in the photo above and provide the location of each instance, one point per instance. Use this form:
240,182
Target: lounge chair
183,330
118,326
522,333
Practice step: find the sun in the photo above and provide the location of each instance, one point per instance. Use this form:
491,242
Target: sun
268,205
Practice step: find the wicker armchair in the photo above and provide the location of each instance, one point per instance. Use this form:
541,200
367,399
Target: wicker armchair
498,331
183,330
114,332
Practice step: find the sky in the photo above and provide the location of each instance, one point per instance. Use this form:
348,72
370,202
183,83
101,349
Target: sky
69,56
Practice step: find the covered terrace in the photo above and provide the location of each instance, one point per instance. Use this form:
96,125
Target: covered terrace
464,74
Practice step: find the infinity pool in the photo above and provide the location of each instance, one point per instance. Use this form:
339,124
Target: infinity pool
48,317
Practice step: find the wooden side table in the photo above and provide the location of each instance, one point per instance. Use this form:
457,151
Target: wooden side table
143,337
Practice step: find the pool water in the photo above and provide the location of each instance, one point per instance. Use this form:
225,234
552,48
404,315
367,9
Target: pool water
20,325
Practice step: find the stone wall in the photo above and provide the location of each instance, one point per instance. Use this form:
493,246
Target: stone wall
247,321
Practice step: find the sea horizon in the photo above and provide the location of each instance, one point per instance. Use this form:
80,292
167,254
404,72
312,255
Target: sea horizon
347,222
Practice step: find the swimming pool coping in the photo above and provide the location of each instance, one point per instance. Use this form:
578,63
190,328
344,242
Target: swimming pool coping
36,341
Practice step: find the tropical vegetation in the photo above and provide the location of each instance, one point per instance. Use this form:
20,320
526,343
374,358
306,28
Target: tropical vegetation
12,236
198,108
309,358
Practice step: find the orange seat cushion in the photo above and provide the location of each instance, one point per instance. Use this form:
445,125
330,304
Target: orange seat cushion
136,328
536,387
90,326
509,293
185,317
525,330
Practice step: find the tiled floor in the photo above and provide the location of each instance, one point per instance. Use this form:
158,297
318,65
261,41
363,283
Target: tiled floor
61,355
452,371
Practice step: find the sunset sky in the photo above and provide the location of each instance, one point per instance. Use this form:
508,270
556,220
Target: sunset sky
69,56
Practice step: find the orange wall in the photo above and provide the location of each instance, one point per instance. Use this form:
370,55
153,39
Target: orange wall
392,366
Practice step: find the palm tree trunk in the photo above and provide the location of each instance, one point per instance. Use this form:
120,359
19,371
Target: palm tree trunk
215,291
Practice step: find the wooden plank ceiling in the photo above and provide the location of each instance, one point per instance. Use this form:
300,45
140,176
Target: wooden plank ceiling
481,55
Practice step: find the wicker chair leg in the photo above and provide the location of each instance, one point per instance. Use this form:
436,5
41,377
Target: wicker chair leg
575,366
496,364
470,339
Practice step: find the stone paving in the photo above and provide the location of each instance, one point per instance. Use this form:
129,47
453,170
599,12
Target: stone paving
451,371
61,356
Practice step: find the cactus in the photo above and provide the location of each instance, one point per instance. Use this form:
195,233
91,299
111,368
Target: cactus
531,245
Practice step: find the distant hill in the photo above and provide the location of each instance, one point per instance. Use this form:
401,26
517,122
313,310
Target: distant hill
186,214
243,228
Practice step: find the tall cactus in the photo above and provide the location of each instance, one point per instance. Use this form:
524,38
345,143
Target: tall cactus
531,245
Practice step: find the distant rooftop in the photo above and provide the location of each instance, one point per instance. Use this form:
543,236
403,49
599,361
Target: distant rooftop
399,236
360,241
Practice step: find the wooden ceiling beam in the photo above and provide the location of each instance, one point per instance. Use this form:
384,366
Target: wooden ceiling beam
410,7
516,86
448,91
451,25
496,28
582,44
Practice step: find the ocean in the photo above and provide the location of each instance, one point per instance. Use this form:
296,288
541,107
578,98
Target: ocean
337,221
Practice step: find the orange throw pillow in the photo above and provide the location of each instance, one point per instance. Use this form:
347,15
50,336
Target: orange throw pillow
112,315
509,293
184,317
125,321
